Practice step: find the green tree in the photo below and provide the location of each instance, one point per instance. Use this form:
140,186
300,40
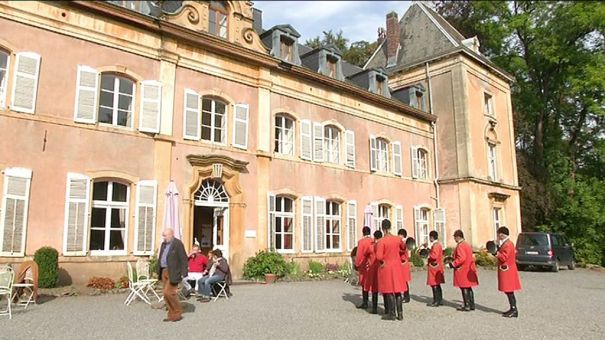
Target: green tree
555,50
356,53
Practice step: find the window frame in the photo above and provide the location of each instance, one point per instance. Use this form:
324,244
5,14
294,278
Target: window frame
286,44
383,211
280,131
488,104
116,97
497,219
109,205
384,153
422,158
7,69
212,12
224,129
492,161
421,220
331,219
332,144
283,215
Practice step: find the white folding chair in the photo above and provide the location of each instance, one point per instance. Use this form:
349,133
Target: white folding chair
136,288
144,276
7,276
27,286
222,290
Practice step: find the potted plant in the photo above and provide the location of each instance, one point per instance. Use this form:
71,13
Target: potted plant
267,265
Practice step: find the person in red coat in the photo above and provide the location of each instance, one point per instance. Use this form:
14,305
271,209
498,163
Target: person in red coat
435,277
361,262
508,276
371,282
405,265
465,271
390,276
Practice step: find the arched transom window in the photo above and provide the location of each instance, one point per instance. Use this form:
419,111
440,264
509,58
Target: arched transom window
211,192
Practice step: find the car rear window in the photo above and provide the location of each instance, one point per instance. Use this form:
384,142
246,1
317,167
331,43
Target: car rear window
533,240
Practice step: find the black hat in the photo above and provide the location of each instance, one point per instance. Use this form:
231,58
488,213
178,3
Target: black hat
503,230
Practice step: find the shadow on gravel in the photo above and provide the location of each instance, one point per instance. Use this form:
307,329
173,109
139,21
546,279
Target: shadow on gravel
42,299
356,300
188,307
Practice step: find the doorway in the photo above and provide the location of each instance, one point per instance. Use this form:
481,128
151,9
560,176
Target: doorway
211,217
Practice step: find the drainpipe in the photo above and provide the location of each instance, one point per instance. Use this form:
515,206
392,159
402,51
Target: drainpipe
434,126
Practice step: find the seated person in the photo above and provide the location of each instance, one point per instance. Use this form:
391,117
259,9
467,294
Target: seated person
198,263
219,271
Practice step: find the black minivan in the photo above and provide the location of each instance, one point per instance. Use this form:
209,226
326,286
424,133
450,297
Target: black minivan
546,250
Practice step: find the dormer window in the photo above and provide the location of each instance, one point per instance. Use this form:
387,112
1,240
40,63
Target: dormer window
419,99
379,85
286,48
218,19
331,63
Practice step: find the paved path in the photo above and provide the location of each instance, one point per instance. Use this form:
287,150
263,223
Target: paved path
564,305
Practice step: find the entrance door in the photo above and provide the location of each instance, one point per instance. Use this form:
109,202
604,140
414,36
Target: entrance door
211,217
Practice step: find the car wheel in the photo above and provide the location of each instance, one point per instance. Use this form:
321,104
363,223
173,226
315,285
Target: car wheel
555,268
572,265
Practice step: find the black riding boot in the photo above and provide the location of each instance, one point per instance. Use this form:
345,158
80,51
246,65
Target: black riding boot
406,294
364,304
512,312
435,295
386,304
471,299
374,303
464,307
439,296
390,313
399,304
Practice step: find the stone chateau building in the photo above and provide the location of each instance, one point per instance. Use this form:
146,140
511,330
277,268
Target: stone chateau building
270,144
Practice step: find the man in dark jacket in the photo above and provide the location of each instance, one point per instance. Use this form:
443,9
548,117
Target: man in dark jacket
172,269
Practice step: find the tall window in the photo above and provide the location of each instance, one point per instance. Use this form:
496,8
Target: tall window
331,65
332,144
422,225
214,120
116,103
332,225
419,100
498,220
492,161
382,157
283,214
380,85
218,19
284,135
422,163
3,77
109,218
488,104
382,212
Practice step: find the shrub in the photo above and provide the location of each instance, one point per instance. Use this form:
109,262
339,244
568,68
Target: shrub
153,265
485,259
47,259
122,282
265,262
293,268
416,259
332,267
315,267
448,251
103,283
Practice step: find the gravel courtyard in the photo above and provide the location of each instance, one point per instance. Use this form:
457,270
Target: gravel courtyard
564,305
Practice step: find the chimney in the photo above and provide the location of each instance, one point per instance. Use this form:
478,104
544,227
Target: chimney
392,38
257,16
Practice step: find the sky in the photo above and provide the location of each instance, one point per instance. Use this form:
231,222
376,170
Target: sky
359,20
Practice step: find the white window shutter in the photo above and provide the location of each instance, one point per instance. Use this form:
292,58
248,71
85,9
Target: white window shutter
307,224
192,125
416,223
25,83
397,166
4,82
350,142
306,139
87,93
399,217
240,126
439,219
375,217
373,153
414,155
145,217
13,220
271,220
151,106
320,224
318,142
351,224
77,209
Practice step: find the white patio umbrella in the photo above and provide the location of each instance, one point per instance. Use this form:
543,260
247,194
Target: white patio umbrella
171,210
368,220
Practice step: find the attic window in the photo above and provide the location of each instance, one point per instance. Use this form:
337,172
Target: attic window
419,99
286,48
331,64
380,84
218,19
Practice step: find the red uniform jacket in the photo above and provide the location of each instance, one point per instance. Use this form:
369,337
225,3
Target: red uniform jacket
465,270
508,276
405,265
434,265
198,263
390,276
361,260
371,281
